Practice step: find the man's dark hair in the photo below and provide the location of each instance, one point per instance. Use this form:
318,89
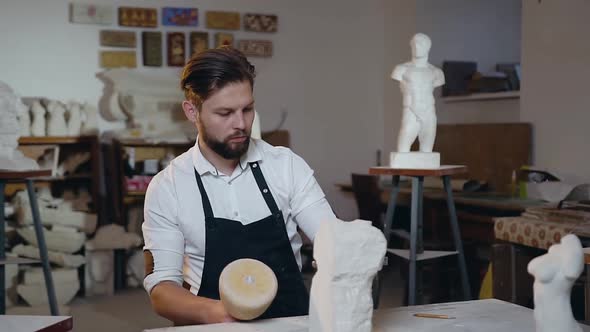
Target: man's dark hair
211,70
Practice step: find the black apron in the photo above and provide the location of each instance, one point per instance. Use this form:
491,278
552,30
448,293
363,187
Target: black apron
265,240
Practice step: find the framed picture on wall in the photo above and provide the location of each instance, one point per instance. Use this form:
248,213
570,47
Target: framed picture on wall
199,42
260,23
180,16
224,39
223,20
176,49
151,48
257,48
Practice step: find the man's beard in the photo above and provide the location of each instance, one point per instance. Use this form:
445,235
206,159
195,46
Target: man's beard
224,148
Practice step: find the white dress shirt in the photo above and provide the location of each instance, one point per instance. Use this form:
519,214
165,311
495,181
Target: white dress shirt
174,221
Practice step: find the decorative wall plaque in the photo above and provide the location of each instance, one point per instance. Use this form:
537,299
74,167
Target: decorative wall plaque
223,20
261,48
116,38
261,23
199,42
180,16
116,59
91,14
176,50
152,48
138,17
224,39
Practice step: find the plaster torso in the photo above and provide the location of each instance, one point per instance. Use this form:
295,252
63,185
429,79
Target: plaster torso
417,84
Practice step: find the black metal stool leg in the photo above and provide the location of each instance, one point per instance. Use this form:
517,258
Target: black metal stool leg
387,227
457,237
42,249
415,246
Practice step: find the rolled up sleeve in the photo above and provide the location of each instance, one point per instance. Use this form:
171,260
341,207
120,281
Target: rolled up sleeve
164,241
308,202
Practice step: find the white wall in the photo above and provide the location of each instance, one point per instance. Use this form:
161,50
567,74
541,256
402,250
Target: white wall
555,98
487,32
326,71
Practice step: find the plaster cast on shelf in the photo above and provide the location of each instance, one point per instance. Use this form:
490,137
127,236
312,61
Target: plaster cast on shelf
348,255
418,79
24,119
74,124
56,126
10,157
38,124
555,273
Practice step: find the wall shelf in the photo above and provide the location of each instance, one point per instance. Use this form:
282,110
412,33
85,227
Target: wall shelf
482,96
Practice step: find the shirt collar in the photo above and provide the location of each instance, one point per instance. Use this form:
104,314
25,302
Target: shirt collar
203,166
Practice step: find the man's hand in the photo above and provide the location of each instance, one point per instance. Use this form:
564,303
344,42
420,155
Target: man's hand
216,313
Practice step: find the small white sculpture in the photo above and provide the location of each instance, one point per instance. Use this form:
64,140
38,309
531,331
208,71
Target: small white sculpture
256,132
57,121
75,119
418,79
38,125
348,255
24,119
10,157
555,273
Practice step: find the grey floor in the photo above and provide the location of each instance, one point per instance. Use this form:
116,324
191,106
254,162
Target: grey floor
130,310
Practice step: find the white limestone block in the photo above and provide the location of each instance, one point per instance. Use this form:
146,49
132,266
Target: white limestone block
414,160
135,269
555,273
58,258
59,276
36,294
100,274
247,287
113,237
66,242
348,255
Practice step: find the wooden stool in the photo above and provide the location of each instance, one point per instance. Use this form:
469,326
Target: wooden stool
26,176
417,252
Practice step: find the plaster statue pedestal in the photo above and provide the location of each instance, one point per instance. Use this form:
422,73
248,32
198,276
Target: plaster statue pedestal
414,160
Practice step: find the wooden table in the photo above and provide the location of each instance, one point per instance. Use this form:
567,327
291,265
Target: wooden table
22,323
482,316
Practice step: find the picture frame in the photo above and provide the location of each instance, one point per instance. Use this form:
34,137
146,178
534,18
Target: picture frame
199,42
176,49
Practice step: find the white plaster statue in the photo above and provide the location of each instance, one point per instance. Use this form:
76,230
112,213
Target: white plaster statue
56,125
75,119
38,125
418,79
555,273
10,157
348,255
24,119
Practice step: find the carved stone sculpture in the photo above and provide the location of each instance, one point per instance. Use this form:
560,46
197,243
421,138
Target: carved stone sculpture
38,125
56,125
348,255
148,103
418,79
10,157
555,273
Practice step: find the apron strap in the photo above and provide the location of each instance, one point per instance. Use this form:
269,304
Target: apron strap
270,202
204,198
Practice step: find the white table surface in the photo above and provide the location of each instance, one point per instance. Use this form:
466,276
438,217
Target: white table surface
473,316
24,323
